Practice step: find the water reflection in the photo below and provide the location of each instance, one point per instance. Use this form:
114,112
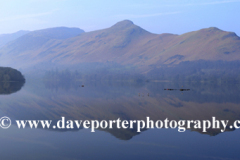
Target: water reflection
113,100
10,87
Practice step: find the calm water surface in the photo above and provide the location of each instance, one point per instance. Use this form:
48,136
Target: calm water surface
112,100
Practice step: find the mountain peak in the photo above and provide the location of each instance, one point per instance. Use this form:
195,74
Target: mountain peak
123,24
212,29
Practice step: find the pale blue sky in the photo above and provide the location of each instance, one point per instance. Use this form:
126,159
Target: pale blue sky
157,16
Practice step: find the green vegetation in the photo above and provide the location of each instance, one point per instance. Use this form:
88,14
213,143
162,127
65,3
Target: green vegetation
8,74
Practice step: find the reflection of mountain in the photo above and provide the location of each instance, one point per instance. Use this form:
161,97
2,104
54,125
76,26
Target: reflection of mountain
201,92
104,102
10,87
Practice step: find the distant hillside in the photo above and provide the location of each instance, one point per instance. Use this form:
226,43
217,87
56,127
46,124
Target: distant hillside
5,38
26,46
124,43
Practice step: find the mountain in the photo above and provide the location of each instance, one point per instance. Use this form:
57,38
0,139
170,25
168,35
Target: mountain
5,38
207,44
22,50
123,43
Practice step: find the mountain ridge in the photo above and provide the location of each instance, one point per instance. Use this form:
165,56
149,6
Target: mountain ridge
5,38
126,43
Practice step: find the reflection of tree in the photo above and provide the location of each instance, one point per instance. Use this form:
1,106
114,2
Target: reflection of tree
10,87
200,92
105,101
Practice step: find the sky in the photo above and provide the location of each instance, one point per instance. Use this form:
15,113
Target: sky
156,16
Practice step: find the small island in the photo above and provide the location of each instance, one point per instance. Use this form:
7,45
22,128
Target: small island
11,80
8,74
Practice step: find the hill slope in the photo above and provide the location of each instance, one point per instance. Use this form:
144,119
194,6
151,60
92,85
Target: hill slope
123,43
24,48
5,38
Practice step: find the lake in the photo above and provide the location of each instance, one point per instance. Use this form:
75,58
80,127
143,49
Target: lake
45,100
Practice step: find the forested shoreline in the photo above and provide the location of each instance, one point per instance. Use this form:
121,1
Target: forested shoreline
8,74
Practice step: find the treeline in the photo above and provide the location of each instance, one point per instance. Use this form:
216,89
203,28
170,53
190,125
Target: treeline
98,75
201,70
8,74
198,71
